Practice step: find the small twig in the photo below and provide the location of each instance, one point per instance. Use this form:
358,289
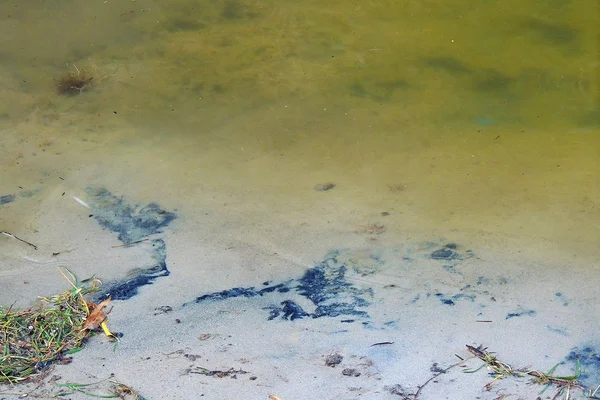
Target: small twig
31,394
15,237
380,343
416,395
56,253
127,244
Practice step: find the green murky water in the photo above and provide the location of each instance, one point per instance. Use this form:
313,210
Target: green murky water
476,120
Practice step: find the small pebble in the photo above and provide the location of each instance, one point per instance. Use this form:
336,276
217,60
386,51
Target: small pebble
350,372
333,359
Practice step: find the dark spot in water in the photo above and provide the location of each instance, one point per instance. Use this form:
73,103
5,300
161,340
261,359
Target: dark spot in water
527,313
492,81
130,222
241,292
399,390
588,358
232,10
184,23
28,193
237,10
378,91
590,119
482,280
229,293
8,198
290,311
448,252
560,330
323,187
333,359
325,285
126,289
350,372
358,90
447,64
451,300
555,34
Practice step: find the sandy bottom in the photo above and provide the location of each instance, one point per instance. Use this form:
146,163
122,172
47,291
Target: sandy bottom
304,200
304,309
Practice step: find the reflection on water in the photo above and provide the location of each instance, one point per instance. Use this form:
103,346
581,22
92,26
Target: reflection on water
448,119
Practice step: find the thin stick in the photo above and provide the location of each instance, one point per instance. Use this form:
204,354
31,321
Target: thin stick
31,394
380,343
127,244
14,237
416,395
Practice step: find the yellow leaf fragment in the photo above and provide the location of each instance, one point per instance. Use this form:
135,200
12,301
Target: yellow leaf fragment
107,332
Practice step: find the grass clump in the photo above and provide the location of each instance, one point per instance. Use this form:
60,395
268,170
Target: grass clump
564,384
32,339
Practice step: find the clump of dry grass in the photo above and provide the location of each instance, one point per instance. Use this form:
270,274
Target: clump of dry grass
32,339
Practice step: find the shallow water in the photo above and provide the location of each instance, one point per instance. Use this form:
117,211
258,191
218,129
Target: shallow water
473,123
471,119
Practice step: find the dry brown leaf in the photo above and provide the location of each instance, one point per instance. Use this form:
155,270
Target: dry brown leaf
97,316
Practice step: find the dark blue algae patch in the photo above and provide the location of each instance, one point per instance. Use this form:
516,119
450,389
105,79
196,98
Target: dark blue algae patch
242,292
588,358
451,300
451,254
325,285
130,222
29,193
559,295
448,252
127,288
560,331
8,198
474,293
528,313
289,310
